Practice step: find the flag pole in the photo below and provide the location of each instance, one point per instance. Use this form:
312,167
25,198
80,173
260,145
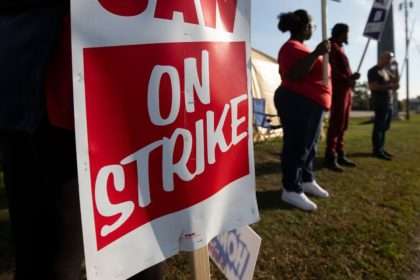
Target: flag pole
363,56
325,37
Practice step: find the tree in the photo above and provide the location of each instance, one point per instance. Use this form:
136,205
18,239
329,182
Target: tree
361,97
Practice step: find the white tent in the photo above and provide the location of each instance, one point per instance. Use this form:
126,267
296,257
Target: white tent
265,80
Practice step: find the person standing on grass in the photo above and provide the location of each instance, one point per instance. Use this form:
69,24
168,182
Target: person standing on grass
300,101
382,83
37,140
343,80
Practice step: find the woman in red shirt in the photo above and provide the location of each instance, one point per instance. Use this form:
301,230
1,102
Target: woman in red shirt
300,102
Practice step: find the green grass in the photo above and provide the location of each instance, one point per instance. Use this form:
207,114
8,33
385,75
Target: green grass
368,229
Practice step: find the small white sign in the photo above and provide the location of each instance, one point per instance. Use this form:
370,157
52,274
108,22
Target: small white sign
235,253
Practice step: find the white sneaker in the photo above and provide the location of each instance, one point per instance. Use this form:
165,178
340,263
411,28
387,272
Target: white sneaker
314,189
299,200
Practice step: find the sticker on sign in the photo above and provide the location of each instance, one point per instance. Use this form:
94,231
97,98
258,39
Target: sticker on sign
162,104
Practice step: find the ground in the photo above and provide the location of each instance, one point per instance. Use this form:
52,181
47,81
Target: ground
368,229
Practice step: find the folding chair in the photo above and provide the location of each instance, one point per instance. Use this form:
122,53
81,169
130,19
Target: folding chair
263,127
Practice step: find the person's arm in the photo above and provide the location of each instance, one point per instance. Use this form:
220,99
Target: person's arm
340,76
393,72
339,68
375,86
395,78
304,66
375,83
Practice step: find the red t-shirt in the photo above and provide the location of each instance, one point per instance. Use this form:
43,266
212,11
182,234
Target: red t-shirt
312,85
58,83
341,71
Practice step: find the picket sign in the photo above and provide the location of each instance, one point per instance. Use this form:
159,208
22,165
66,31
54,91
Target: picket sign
235,253
163,112
375,24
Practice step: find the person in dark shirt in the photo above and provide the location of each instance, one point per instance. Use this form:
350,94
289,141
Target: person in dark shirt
382,83
342,82
37,141
39,159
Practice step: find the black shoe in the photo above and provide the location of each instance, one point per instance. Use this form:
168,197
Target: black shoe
345,161
332,164
382,156
388,154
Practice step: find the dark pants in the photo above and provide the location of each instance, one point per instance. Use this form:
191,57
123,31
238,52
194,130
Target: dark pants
338,122
382,122
301,120
41,182
40,179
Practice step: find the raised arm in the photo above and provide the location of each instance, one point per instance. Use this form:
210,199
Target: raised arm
304,66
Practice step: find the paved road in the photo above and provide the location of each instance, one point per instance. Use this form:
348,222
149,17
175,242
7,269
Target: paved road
360,114
366,114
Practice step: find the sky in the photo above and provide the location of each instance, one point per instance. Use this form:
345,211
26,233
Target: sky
267,38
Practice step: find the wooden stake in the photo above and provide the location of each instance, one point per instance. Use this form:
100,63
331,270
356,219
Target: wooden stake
325,37
201,264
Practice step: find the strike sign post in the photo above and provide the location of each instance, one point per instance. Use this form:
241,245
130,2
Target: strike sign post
162,109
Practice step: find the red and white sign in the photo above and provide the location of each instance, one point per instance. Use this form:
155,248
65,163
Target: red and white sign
162,90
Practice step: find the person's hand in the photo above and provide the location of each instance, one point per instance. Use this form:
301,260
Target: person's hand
394,86
395,79
355,76
323,48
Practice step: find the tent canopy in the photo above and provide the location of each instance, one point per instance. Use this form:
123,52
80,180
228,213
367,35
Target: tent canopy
265,79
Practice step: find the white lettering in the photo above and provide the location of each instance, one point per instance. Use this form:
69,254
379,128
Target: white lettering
105,207
192,82
199,148
153,95
141,157
235,121
176,149
180,168
215,137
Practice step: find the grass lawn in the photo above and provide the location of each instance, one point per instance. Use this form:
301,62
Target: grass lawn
368,229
